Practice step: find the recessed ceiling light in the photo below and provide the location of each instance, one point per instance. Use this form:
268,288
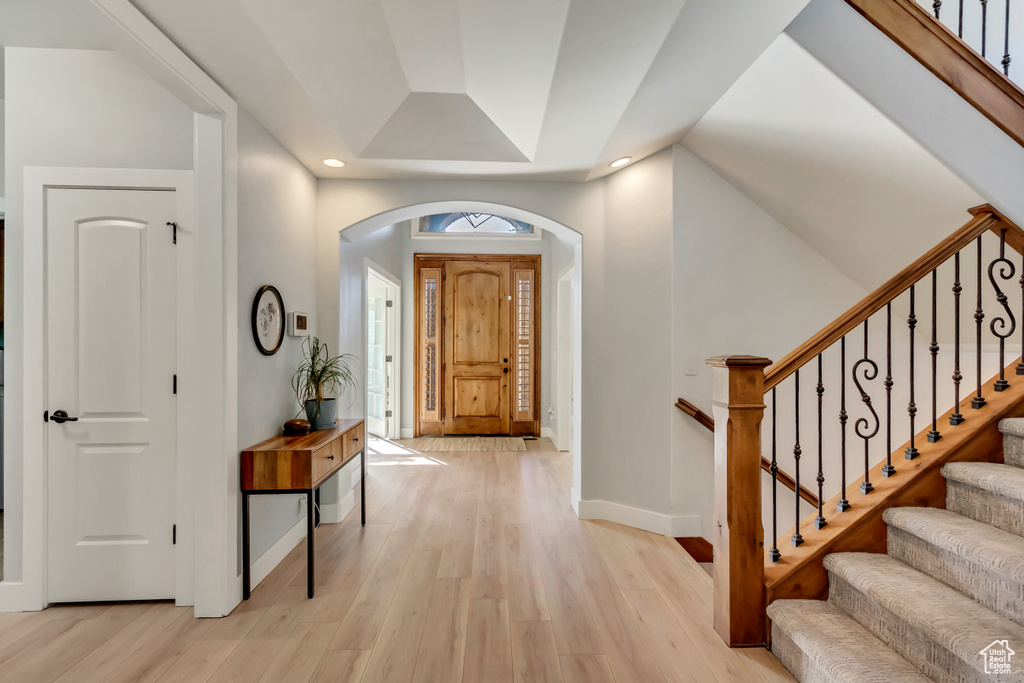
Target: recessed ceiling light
334,163
622,161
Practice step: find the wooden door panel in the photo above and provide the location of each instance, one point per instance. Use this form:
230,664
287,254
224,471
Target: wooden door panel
477,347
477,397
478,331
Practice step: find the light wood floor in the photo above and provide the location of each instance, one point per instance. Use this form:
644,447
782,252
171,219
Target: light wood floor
472,568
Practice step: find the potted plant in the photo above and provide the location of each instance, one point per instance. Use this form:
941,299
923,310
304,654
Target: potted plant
320,375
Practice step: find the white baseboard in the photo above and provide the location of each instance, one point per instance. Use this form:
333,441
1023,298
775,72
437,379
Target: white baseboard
265,563
574,500
408,433
547,432
335,512
668,525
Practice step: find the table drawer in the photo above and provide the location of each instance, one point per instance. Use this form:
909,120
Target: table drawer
326,459
353,440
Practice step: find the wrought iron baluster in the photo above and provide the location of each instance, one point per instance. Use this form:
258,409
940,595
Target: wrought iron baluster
960,24
888,470
934,434
774,553
956,418
842,505
911,451
937,5
979,316
984,25
1006,272
796,538
1020,365
819,521
861,425
1006,43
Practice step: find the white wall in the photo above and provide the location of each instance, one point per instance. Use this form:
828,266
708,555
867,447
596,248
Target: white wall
73,108
957,134
742,284
276,246
2,183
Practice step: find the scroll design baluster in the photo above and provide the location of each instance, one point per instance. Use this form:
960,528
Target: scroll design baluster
819,521
911,451
1006,272
842,505
797,538
936,6
870,372
888,470
933,434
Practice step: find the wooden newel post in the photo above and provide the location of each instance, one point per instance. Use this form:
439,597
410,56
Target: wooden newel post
738,534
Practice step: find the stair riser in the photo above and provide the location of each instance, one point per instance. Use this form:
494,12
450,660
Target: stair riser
928,656
995,592
1013,450
794,658
986,507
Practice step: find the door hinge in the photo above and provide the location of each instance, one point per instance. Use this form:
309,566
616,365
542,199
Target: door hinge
175,384
174,534
387,413
174,230
388,359
389,303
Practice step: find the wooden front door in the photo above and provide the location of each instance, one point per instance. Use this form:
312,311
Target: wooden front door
477,347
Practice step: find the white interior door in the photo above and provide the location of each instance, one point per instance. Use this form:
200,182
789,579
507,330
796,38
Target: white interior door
111,310
380,356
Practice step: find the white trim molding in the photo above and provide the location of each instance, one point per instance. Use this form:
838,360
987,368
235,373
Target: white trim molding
275,554
675,526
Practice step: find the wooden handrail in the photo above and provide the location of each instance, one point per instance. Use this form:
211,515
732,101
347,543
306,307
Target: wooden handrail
984,218
952,60
696,413
709,422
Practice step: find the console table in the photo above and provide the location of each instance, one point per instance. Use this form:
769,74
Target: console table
299,464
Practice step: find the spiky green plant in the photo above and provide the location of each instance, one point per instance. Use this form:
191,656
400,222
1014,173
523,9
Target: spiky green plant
321,374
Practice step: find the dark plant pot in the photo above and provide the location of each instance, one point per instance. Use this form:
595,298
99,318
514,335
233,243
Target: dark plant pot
321,413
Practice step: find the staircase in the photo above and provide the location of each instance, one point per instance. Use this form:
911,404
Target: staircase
951,585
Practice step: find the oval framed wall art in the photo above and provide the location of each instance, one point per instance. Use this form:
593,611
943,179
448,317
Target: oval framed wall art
268,318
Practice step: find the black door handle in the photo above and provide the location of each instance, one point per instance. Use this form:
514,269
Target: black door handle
61,416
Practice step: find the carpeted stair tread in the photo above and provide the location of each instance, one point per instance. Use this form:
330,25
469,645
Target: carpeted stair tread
1012,425
1003,480
997,551
840,649
939,612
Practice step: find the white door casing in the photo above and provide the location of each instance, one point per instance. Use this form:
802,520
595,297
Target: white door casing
382,340
111,352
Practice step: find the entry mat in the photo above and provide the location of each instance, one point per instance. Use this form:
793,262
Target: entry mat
473,443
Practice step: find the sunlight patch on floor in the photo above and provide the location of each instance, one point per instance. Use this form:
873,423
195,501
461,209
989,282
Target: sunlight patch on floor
390,454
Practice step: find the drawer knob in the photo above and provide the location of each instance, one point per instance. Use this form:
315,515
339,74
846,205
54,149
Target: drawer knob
356,439
330,457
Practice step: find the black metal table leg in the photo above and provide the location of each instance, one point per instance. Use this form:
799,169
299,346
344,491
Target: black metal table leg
310,528
362,485
245,546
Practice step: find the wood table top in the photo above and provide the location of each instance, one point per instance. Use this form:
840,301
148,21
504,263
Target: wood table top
306,442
